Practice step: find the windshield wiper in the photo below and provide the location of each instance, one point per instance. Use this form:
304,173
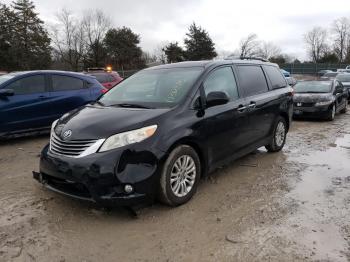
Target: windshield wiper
132,105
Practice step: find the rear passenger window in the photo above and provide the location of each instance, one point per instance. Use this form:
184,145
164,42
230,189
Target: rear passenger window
28,85
275,76
222,80
63,83
252,79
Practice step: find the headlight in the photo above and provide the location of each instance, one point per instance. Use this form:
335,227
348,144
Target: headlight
324,103
128,138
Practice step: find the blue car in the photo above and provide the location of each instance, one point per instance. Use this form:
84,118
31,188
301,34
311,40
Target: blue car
30,101
285,73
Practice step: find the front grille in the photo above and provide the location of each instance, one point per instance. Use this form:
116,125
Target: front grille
71,148
299,104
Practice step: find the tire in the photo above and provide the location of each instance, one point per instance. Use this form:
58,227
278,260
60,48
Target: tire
183,187
331,113
279,136
345,109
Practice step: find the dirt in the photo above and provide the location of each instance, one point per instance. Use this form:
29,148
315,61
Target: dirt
287,206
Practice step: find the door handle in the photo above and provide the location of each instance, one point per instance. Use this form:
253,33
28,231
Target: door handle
252,105
241,108
42,97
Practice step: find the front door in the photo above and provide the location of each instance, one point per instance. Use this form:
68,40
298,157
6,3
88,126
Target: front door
28,108
224,125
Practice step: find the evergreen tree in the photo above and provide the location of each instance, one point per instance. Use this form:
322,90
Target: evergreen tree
174,53
199,45
122,48
7,61
32,43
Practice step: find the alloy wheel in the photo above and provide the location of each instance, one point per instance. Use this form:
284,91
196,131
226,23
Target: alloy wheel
183,175
280,134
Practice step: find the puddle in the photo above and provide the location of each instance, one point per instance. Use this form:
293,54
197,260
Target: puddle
323,196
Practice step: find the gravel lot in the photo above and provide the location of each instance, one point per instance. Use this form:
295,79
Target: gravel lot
292,205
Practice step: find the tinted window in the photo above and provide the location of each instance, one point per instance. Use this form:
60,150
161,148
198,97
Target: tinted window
28,85
222,80
275,76
111,78
62,83
102,78
252,80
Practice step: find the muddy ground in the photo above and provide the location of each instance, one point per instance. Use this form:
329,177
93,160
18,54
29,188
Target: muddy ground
291,205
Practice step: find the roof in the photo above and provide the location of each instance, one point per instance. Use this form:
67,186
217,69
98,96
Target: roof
70,73
207,63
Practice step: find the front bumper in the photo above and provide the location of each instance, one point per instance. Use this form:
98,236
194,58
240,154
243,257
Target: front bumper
312,111
101,177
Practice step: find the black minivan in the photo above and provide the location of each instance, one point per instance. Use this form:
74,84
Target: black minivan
164,128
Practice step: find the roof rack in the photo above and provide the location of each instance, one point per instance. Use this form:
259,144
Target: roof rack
247,58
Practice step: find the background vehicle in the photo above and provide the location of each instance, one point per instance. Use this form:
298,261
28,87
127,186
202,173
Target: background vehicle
31,101
3,73
291,81
285,73
319,99
164,128
107,78
345,80
329,76
322,72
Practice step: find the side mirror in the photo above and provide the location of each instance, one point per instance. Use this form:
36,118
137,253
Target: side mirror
6,92
339,89
217,98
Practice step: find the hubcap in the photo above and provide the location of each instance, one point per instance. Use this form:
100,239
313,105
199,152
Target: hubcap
183,175
333,111
280,134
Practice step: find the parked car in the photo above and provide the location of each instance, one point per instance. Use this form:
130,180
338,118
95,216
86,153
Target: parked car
164,128
30,101
285,73
329,76
3,73
291,81
345,80
322,72
107,78
319,99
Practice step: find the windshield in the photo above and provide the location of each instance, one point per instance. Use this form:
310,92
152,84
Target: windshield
313,87
153,88
343,78
4,78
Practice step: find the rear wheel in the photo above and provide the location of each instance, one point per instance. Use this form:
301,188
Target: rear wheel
343,111
279,136
331,113
180,176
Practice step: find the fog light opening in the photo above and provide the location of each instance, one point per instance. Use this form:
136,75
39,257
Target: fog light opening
128,189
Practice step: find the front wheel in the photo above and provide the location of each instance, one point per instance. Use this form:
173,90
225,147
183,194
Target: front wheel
279,136
345,109
331,113
180,176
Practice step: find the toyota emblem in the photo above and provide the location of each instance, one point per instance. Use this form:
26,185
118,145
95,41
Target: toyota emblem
67,134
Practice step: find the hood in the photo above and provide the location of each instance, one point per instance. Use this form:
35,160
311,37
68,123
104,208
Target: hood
95,122
312,98
346,84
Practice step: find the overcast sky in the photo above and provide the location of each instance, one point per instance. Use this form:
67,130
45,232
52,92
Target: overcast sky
227,21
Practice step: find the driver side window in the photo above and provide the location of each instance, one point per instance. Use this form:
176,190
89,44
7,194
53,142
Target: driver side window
222,80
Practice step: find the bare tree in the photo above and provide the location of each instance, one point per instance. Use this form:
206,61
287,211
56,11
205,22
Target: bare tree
341,34
159,53
268,50
249,46
68,38
316,43
95,25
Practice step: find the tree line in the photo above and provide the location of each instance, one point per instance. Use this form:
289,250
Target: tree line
76,42
329,45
